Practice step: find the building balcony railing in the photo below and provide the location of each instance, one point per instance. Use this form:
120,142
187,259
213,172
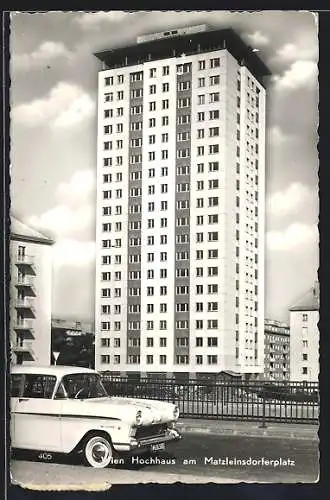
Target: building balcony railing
25,328
24,349
26,263
27,283
27,306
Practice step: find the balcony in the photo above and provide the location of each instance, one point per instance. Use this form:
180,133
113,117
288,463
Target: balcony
26,306
24,349
26,264
25,328
26,283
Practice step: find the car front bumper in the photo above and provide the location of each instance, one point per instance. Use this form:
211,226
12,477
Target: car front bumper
142,445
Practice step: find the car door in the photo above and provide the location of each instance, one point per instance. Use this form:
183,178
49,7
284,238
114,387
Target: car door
37,415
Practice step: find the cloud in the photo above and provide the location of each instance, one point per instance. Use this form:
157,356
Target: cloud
65,105
294,237
257,39
63,220
73,253
300,74
291,52
291,200
75,211
92,20
44,54
78,188
277,137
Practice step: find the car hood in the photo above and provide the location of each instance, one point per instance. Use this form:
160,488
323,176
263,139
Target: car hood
126,409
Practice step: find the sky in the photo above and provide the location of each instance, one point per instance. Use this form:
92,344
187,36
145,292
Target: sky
53,134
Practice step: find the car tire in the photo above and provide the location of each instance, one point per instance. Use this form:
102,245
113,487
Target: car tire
98,451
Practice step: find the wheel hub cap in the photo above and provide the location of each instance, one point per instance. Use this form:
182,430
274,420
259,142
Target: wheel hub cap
99,452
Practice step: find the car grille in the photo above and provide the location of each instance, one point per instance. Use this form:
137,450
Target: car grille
149,431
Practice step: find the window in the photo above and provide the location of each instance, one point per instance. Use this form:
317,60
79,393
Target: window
136,93
201,99
214,114
166,87
214,148
201,65
201,82
304,370
212,342
214,166
133,359
183,119
184,102
212,359
215,63
108,80
199,341
212,324
165,120
166,70
105,342
201,116
35,386
182,360
213,219
214,131
136,77
214,184
162,359
214,97
184,85
215,80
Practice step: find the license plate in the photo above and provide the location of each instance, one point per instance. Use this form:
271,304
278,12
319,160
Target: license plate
157,447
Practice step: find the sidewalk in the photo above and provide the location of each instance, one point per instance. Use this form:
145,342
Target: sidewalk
248,429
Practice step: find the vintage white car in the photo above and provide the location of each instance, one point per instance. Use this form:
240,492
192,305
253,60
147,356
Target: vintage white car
59,409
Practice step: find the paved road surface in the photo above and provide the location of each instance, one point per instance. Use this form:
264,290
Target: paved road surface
297,461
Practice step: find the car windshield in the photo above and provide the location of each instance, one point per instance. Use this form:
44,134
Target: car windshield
83,386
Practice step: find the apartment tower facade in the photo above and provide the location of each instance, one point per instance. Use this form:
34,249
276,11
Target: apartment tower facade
180,206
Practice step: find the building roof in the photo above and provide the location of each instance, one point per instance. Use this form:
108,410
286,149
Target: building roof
22,232
308,302
57,370
164,48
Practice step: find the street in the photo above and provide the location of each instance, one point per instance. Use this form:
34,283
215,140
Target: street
197,458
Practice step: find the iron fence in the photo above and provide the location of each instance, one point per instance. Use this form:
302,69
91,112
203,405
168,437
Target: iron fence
289,402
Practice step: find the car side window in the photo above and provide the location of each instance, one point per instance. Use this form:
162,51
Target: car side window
16,385
39,386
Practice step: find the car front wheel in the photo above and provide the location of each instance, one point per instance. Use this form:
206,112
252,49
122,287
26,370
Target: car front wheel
98,452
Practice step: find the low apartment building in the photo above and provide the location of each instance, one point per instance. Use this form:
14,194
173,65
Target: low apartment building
30,294
277,350
304,343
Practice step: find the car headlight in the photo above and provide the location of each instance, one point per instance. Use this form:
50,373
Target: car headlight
138,418
176,412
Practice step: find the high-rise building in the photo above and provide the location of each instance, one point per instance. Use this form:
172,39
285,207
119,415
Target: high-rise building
30,294
277,350
180,205
304,337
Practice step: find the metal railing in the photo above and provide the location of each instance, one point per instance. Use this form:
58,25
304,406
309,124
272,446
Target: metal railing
290,402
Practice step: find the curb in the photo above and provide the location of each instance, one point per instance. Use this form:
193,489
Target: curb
249,433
